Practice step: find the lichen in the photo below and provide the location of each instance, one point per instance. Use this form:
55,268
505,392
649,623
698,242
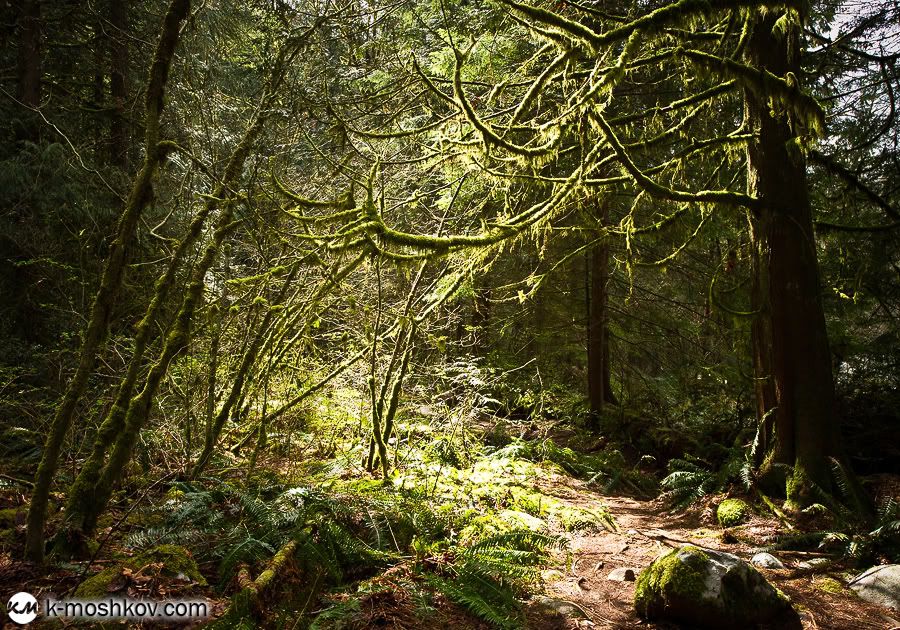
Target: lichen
676,573
732,512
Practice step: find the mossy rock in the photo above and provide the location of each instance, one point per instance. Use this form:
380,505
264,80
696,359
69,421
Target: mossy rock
709,589
732,512
10,517
176,562
579,519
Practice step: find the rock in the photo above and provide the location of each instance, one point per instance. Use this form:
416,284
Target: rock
522,520
815,563
561,606
879,585
552,575
732,512
623,574
709,589
766,561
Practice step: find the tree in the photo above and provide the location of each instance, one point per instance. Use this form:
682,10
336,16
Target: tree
97,328
574,96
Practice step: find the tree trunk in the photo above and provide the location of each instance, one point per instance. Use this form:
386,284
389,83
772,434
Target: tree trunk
113,273
28,89
118,130
791,354
599,387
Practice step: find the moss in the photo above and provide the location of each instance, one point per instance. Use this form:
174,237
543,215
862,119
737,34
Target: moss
175,561
829,585
8,516
98,585
8,537
679,572
586,519
732,512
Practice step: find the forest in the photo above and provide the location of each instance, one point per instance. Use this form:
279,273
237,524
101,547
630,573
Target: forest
450,313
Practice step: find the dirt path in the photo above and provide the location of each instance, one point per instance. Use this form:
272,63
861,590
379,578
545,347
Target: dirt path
646,529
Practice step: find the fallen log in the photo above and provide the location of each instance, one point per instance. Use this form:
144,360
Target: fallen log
246,605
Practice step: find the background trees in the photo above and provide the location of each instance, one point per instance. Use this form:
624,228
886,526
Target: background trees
669,225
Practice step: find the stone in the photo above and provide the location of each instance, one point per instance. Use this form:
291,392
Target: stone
704,588
561,606
623,574
766,561
815,563
879,585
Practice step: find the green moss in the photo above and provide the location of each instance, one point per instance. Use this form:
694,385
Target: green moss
829,585
8,516
8,537
679,572
586,519
732,512
175,561
98,585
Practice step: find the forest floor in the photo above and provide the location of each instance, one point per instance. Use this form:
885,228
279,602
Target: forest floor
648,528
577,590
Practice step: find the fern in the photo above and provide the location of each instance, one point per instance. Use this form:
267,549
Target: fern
688,481
488,575
486,600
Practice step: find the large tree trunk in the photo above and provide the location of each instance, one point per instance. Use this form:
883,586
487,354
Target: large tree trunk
599,387
791,355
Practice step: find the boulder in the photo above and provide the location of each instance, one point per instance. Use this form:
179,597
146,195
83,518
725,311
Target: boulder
879,585
709,589
766,561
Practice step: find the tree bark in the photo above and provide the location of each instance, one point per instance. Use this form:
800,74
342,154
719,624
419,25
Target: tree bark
599,386
111,282
792,360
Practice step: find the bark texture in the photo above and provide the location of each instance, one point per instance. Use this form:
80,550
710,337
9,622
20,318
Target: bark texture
111,282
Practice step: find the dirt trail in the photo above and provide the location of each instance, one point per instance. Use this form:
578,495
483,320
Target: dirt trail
647,529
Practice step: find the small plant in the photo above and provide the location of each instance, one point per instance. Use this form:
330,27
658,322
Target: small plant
487,577
691,479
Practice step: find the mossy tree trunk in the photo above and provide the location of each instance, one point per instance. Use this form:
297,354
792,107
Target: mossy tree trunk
111,282
93,498
791,353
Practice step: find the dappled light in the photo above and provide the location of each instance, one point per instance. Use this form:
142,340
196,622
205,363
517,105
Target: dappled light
453,314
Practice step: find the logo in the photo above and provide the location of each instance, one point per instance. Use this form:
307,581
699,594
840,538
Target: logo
22,608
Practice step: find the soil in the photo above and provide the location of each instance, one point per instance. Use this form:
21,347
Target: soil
647,529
